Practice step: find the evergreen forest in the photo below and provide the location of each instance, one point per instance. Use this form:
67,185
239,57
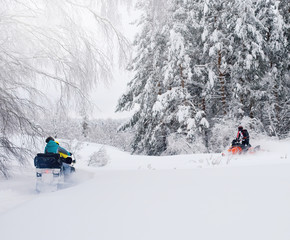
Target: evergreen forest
204,67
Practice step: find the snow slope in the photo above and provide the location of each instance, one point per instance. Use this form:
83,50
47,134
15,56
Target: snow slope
201,196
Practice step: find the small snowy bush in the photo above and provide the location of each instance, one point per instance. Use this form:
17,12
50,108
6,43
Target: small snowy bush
179,144
99,159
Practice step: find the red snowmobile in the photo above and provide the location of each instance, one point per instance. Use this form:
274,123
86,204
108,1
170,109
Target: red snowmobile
238,148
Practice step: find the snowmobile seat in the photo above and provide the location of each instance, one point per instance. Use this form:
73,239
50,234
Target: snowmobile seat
235,143
47,160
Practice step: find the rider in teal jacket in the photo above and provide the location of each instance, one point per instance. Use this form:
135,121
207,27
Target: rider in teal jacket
53,147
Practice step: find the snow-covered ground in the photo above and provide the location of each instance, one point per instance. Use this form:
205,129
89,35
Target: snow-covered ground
200,196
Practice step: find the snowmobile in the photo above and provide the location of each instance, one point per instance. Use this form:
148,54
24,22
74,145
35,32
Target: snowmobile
238,148
51,172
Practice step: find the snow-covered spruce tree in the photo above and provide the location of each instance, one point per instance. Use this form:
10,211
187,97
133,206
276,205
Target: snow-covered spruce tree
249,63
161,85
215,65
178,105
201,87
59,51
217,52
284,130
147,84
276,110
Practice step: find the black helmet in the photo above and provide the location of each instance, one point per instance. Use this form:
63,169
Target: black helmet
48,139
240,128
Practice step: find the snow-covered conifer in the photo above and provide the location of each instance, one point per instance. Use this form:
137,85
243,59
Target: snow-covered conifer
275,103
147,84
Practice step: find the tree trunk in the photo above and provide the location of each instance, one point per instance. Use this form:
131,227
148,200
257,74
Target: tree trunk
181,76
221,77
